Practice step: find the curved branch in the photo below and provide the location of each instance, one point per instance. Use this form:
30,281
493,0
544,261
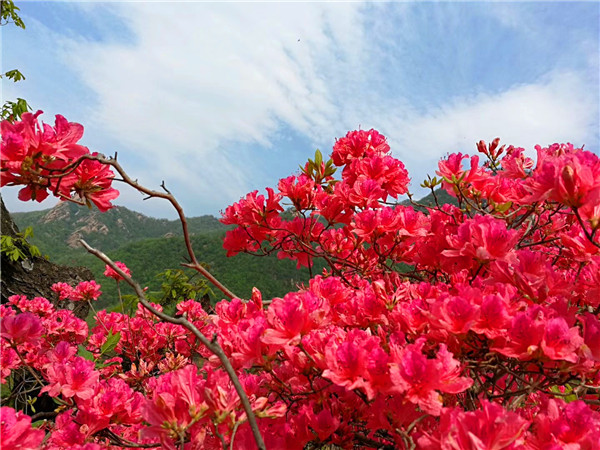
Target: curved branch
213,345
194,264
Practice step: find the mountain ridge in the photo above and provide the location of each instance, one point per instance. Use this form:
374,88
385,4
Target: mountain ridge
121,224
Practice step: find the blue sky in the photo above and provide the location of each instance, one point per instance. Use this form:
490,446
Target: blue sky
219,99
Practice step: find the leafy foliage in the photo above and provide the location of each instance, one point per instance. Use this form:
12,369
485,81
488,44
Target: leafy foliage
9,14
12,110
177,285
18,248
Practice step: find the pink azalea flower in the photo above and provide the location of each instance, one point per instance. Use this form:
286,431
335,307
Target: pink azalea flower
482,238
74,378
561,342
293,316
175,406
567,425
21,328
357,144
567,175
91,181
62,325
421,378
9,360
357,362
28,146
63,290
16,431
490,428
86,291
591,336
110,273
524,335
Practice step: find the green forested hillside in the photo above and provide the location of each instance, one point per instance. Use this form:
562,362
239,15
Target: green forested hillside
240,273
66,223
429,200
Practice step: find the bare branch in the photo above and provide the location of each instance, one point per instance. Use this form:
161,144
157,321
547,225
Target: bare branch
194,264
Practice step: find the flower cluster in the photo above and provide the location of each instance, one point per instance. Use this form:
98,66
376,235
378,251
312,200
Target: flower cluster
459,326
48,159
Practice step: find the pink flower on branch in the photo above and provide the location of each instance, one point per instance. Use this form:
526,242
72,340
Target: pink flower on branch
73,378
111,273
16,430
45,158
293,316
561,342
358,362
358,144
21,328
421,379
86,291
482,239
91,181
490,428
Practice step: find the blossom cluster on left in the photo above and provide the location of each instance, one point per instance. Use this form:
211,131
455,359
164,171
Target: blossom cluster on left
48,159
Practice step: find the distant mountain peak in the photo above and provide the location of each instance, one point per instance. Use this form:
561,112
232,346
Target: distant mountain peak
59,212
66,223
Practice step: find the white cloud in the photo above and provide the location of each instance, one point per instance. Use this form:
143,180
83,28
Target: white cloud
558,108
201,78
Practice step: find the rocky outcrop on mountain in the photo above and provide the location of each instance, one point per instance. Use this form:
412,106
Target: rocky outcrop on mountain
59,212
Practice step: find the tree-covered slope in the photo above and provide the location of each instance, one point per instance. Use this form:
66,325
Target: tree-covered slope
66,223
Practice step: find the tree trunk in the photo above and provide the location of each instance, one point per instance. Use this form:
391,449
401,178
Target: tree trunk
34,276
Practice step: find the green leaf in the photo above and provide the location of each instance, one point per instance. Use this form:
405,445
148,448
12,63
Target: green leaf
502,207
318,158
5,390
111,342
108,364
9,14
85,353
568,390
14,75
329,169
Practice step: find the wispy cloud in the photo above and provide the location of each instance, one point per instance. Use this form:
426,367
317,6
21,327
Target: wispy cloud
557,108
193,86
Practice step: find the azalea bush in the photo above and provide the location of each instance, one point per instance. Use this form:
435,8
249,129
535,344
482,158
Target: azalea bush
467,326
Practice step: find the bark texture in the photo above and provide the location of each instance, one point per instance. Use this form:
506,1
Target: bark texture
34,276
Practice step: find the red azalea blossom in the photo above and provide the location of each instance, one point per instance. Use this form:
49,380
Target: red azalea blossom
86,291
76,377
16,430
21,328
111,273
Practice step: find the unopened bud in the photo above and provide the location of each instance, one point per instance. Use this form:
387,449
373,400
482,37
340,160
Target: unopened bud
494,146
568,177
482,148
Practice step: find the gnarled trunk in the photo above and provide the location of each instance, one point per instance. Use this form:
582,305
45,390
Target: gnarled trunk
34,276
